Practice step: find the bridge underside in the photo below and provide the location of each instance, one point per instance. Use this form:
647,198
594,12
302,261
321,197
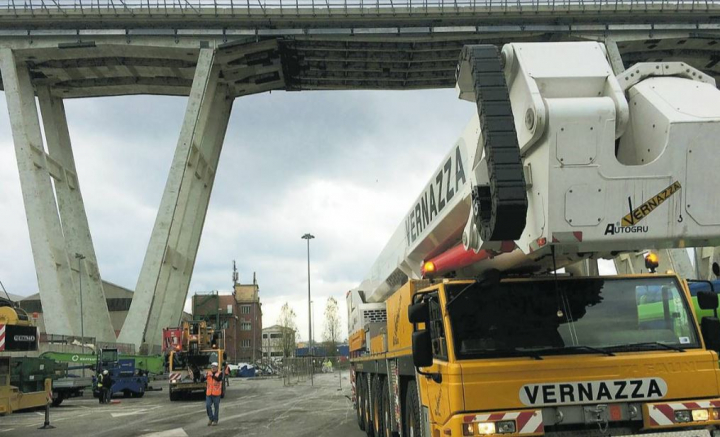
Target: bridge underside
212,68
90,67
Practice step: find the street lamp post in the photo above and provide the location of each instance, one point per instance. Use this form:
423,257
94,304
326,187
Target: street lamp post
309,237
81,257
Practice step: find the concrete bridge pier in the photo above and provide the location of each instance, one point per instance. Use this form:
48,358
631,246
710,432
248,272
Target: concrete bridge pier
58,229
705,257
165,276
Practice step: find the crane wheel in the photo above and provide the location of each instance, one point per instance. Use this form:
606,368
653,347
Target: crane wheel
376,406
386,430
412,424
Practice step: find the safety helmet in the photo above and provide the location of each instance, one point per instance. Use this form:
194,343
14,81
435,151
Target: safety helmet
105,372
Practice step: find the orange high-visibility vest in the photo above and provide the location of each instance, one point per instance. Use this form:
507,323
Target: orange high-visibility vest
214,387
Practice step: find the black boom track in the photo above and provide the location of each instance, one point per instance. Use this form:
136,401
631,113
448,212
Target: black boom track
499,209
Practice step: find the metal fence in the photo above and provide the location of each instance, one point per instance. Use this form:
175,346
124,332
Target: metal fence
66,343
123,348
296,370
351,7
69,343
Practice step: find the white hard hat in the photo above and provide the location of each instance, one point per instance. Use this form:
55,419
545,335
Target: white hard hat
105,372
214,364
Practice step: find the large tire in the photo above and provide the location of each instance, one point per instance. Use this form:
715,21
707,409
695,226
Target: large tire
387,413
173,395
376,406
358,402
58,400
368,398
412,423
363,403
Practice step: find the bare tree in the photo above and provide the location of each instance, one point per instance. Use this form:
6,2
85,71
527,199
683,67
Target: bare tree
332,326
289,330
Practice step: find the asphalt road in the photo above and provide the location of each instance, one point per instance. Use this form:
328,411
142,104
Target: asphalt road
250,408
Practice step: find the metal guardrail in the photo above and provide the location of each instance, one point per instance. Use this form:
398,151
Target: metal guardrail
352,7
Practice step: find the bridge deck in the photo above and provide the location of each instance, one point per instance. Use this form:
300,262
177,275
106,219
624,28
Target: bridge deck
320,14
87,48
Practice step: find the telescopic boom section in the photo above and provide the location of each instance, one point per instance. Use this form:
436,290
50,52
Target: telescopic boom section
564,161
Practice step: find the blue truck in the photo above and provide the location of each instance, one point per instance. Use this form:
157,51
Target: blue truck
127,379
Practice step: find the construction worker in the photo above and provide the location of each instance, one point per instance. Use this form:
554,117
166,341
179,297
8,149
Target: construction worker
101,393
227,373
214,380
106,392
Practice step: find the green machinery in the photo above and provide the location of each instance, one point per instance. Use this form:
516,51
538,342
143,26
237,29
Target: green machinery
28,374
150,364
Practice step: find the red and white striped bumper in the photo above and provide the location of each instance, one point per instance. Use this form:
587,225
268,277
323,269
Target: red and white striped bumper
663,414
2,337
526,422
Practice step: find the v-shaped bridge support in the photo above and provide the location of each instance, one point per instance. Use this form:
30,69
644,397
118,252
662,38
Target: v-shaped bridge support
55,212
165,275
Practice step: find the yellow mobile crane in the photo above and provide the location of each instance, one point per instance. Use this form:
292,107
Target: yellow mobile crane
465,327
189,361
18,334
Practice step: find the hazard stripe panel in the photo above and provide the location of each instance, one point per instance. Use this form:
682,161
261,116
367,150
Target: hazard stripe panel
526,422
2,337
663,414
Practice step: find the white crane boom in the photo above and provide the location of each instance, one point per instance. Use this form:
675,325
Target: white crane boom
609,165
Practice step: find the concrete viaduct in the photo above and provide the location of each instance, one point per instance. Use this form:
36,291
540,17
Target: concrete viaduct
216,51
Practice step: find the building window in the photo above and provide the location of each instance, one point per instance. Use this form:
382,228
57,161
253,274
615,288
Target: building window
265,336
275,335
276,354
245,326
244,309
246,343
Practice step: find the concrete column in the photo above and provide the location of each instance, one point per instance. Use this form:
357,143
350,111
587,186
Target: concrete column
586,267
614,56
205,160
52,265
170,258
96,318
704,259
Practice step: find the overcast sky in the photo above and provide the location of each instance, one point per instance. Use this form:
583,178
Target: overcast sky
344,166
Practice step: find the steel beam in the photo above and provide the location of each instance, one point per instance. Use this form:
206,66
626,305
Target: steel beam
57,291
75,228
165,276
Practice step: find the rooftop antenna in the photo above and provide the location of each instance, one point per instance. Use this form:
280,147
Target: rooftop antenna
235,275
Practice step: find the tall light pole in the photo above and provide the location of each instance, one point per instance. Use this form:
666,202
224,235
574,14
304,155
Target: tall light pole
309,237
81,257
312,315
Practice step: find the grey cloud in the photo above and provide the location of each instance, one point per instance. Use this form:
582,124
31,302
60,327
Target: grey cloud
359,158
